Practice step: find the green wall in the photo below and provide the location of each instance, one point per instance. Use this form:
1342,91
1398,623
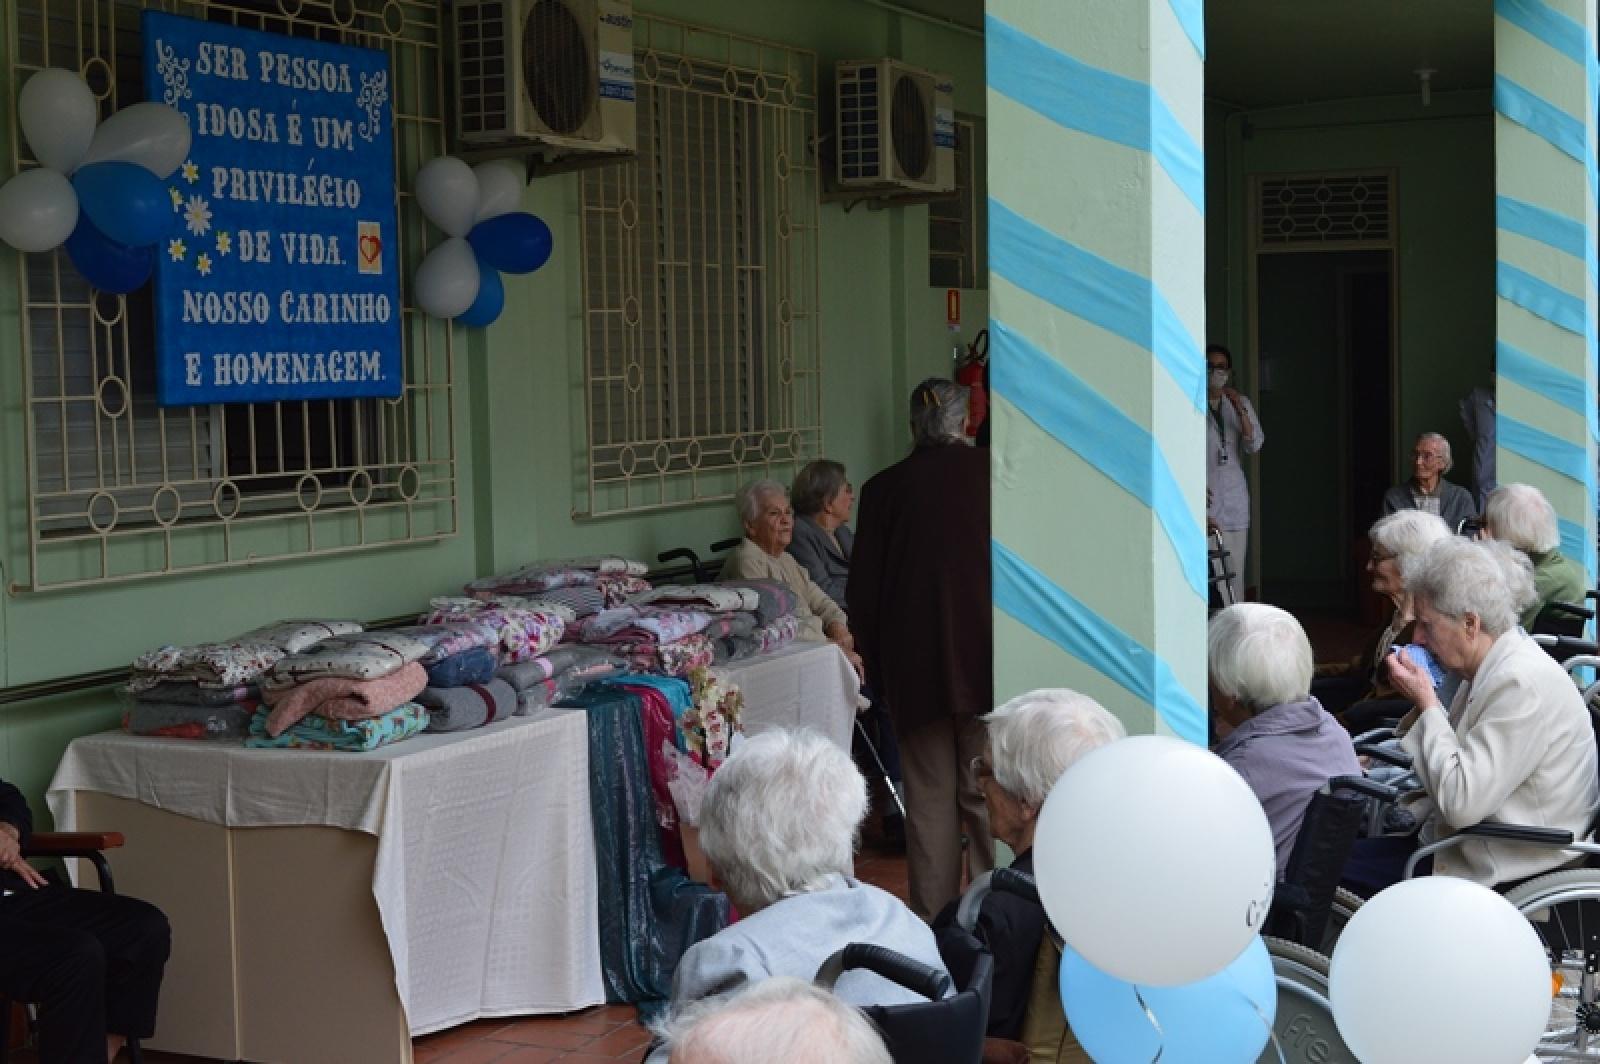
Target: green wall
519,425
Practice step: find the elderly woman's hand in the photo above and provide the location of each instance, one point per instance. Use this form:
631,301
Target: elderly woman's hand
1411,680
839,633
11,857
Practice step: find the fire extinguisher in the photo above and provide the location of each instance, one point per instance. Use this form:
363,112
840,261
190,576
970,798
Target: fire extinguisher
973,372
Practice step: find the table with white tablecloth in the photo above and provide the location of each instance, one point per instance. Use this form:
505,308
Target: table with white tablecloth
803,685
461,863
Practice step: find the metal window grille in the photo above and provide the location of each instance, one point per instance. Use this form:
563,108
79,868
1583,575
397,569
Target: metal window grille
955,223
700,276
1323,209
120,488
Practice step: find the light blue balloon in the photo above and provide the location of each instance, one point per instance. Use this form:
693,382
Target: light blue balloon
1223,1019
491,298
126,202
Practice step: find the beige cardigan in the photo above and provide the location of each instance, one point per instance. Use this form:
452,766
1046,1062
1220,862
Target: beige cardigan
816,609
1517,748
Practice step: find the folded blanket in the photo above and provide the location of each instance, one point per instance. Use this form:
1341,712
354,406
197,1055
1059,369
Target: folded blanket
670,659
320,733
342,698
639,624
525,674
776,599
764,640
548,692
363,656
477,665
211,665
192,694
294,636
448,640
730,626
618,590
541,603
712,598
472,706
523,634
580,601
174,720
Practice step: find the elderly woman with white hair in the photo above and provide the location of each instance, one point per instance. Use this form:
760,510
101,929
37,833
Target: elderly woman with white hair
1515,745
1427,490
777,1021
778,827
1520,515
1270,729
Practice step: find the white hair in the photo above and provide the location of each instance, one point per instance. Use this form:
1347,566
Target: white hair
1259,655
749,497
938,412
1490,580
1407,533
780,1020
1520,515
1036,737
1444,444
780,816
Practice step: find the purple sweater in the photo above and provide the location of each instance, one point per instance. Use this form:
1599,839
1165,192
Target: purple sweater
1285,754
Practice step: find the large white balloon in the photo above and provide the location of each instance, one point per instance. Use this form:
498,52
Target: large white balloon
151,135
38,210
447,280
58,113
1154,860
500,185
1439,968
447,192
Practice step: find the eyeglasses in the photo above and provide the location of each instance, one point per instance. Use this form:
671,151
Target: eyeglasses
1378,556
980,769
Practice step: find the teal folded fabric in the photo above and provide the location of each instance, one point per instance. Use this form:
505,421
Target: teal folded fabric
355,736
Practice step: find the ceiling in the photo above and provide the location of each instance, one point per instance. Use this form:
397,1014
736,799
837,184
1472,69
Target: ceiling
1269,53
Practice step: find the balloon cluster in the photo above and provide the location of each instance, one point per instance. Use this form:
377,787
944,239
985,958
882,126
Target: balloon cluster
477,209
99,188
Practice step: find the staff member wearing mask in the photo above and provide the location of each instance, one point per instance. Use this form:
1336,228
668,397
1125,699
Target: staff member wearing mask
1232,431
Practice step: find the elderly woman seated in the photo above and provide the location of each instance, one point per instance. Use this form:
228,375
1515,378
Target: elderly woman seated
1515,746
1520,516
763,555
1269,728
778,827
1032,740
822,498
778,1021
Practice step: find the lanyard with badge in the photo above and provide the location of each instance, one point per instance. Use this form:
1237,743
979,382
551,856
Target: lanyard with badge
1222,435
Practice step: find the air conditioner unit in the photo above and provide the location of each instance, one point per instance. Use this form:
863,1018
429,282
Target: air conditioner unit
552,78
895,127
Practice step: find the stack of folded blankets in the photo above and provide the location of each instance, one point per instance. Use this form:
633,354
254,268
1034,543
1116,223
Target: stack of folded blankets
212,690
351,692
523,632
547,679
584,585
667,639
460,664
744,618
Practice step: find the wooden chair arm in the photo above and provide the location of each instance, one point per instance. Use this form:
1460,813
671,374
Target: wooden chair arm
70,843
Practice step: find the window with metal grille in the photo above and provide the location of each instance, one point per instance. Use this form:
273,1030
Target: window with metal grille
955,224
120,488
1323,209
700,276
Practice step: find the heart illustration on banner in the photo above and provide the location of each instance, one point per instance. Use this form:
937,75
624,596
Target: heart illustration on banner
371,248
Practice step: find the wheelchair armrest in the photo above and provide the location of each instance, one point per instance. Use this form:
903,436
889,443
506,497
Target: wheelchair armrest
1571,644
895,967
1397,758
71,843
1520,833
1570,609
1010,881
1362,785
679,554
722,545
1378,735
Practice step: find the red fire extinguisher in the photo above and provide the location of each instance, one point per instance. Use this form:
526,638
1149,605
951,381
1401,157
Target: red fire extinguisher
973,372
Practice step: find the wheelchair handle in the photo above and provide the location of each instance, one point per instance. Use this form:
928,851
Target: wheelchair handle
1397,758
1018,884
895,967
1520,833
677,553
1362,785
1570,609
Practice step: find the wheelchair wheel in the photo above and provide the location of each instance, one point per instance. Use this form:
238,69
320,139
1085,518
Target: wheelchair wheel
1305,1029
1345,904
1564,908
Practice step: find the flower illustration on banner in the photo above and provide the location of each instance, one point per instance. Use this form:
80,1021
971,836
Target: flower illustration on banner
176,250
191,172
174,74
177,199
197,216
224,242
374,94
202,262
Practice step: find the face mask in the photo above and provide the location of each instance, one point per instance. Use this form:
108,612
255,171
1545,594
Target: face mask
1218,377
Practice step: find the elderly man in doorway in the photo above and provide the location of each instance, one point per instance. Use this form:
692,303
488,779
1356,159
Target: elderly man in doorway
768,521
920,607
1427,490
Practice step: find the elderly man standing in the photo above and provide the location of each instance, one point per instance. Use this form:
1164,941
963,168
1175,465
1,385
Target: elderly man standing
763,555
1427,490
919,598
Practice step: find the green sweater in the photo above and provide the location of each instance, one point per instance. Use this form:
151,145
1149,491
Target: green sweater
1556,578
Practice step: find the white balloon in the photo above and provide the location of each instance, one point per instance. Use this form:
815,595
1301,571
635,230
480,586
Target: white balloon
151,135
1439,968
58,113
38,210
447,280
447,192
1154,860
500,185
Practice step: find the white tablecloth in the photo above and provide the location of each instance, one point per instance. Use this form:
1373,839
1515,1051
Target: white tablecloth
804,685
485,874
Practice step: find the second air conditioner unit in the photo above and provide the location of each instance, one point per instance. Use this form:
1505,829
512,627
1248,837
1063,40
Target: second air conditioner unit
895,127
552,78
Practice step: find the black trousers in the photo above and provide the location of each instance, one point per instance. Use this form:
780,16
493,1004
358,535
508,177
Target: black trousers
91,962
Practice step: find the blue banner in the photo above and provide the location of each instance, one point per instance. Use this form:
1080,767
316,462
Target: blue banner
283,280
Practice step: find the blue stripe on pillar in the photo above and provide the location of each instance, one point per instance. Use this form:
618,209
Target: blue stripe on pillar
1091,426
1548,25
1541,298
1572,537
1089,100
1100,292
1537,375
1546,226
1192,18
1035,601
1544,448
1541,117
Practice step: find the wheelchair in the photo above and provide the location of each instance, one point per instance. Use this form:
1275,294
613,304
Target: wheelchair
949,1027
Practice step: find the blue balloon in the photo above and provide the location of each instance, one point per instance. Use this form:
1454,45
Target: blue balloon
516,243
106,264
126,202
1223,1019
491,298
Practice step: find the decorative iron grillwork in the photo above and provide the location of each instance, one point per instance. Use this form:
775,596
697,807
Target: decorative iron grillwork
1324,209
